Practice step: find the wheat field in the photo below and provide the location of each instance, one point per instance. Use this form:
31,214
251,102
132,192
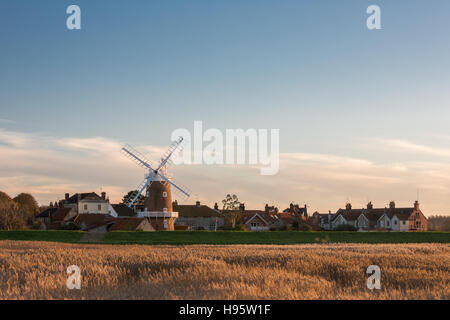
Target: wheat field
37,270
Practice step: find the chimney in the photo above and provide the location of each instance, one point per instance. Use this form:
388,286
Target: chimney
67,197
216,206
242,206
266,208
329,216
348,206
104,195
370,205
392,205
416,205
197,204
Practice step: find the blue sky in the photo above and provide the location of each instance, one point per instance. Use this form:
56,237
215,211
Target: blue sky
140,69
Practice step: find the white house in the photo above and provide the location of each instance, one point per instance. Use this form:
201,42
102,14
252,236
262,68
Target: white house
87,203
392,218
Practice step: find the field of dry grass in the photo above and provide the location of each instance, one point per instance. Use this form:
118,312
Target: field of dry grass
37,270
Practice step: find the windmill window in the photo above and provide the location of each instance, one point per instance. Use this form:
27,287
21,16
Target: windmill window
164,194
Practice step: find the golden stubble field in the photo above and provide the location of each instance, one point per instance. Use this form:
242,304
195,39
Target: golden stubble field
37,270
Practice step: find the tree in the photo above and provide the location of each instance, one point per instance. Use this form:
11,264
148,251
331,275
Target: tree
130,196
11,217
27,205
231,209
439,223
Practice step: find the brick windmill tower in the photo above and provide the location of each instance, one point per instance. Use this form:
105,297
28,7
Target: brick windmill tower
157,185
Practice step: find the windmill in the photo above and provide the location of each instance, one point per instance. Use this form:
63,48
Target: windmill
157,187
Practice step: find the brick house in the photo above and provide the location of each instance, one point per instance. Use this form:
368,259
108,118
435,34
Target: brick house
370,218
94,222
131,224
198,217
121,210
55,217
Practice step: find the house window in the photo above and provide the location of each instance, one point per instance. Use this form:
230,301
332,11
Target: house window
164,194
395,222
404,222
85,207
99,207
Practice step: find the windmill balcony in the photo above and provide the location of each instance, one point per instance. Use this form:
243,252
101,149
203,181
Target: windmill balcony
157,214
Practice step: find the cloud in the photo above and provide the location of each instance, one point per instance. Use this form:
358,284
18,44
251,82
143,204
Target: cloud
404,145
6,121
48,167
13,139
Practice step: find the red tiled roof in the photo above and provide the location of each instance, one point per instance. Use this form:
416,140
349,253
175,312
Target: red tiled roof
92,220
270,217
48,212
122,210
374,214
85,196
60,214
287,218
195,211
128,224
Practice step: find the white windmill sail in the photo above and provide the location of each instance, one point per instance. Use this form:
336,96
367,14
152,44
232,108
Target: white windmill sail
158,174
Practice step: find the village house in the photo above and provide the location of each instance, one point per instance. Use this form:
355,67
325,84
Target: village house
87,203
271,219
258,220
131,224
198,217
105,223
45,217
370,218
322,220
121,210
94,222
55,217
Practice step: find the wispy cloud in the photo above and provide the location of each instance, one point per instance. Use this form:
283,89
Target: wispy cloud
404,145
48,167
6,121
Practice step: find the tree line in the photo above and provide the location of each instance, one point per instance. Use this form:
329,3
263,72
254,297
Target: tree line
18,212
439,223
